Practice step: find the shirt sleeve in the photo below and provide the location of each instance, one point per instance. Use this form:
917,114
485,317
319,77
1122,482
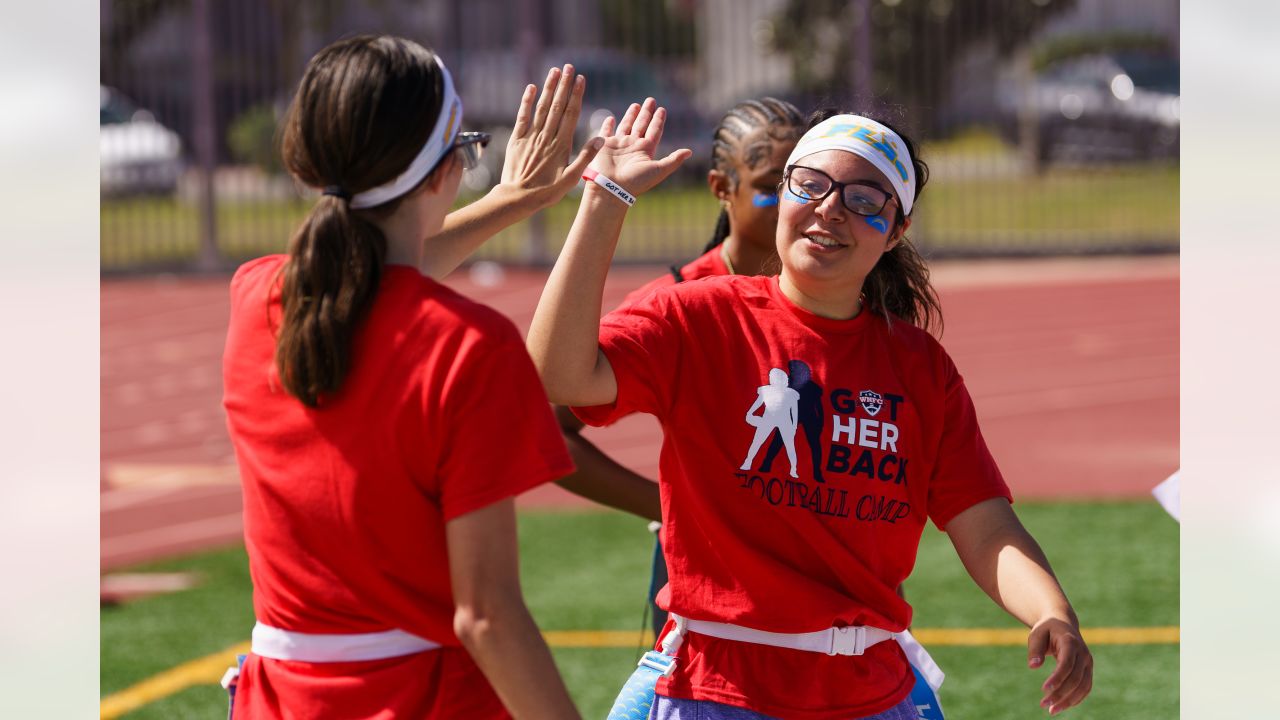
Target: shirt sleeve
964,472
642,344
501,437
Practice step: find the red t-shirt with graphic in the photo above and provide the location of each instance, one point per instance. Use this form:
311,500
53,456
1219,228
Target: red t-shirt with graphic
708,264
800,460
345,506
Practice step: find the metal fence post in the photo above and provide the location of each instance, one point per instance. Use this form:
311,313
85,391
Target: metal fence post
204,132
862,57
530,44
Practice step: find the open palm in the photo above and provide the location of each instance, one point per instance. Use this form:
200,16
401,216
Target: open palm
628,154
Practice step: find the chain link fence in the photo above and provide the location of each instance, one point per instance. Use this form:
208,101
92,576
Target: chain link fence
1050,126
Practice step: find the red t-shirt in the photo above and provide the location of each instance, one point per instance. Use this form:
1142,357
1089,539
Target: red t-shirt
708,264
345,506
876,425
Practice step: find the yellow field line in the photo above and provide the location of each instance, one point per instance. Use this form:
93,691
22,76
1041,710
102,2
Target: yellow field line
202,671
209,669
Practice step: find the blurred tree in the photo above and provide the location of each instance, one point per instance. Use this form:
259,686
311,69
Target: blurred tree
1075,45
913,43
253,139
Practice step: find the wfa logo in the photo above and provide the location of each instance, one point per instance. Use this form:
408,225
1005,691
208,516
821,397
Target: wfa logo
871,402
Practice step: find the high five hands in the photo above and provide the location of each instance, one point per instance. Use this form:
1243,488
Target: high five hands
628,154
542,138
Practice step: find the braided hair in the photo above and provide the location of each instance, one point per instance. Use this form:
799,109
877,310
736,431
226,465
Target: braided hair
781,120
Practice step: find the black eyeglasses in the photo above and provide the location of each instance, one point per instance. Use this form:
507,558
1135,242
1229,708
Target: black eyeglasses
470,146
813,185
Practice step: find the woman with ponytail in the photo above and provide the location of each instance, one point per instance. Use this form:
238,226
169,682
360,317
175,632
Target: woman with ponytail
372,409
784,569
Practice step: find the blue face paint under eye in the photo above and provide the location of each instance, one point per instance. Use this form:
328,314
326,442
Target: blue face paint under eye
764,200
793,197
877,222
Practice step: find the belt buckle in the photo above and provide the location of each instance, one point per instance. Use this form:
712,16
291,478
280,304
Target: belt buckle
848,640
665,665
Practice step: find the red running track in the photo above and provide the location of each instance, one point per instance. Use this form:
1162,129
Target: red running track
1073,366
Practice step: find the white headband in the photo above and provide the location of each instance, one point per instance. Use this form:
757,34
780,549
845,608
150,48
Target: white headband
867,139
439,142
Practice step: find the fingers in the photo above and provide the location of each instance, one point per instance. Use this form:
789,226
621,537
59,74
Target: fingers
524,116
1037,646
560,101
1070,691
544,99
607,127
1081,691
579,165
569,123
1072,676
668,164
628,119
653,133
1072,679
647,109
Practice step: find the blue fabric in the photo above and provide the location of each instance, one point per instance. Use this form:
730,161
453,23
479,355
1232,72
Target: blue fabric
924,699
231,687
636,697
674,709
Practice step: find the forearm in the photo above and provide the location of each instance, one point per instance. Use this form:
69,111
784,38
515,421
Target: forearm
467,228
1025,585
601,479
564,335
513,656
1007,563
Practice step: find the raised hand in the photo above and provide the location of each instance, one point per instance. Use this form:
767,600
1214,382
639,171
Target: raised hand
628,154
542,138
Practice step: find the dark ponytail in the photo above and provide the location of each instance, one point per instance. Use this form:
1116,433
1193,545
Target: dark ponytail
362,112
899,283
783,121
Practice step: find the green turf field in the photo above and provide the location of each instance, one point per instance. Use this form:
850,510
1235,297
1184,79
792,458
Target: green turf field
1064,209
589,571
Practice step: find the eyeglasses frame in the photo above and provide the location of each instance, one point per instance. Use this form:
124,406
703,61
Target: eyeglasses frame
786,181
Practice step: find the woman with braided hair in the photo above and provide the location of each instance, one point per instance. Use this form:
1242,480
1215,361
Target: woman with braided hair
748,150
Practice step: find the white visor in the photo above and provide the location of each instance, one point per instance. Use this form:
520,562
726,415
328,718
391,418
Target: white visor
867,139
446,129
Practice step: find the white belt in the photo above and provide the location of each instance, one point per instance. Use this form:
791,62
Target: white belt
832,641
921,660
853,640
277,644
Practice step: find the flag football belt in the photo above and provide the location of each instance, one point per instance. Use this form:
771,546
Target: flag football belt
851,640
277,644
636,699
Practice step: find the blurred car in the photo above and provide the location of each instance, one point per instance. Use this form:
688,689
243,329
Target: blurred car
491,83
1098,108
136,153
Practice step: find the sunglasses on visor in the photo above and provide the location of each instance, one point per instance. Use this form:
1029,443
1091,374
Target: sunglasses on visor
470,146
813,185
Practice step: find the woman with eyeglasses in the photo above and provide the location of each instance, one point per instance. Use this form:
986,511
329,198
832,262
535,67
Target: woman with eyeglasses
782,589
382,422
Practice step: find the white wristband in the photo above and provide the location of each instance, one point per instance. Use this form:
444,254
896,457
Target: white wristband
613,187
